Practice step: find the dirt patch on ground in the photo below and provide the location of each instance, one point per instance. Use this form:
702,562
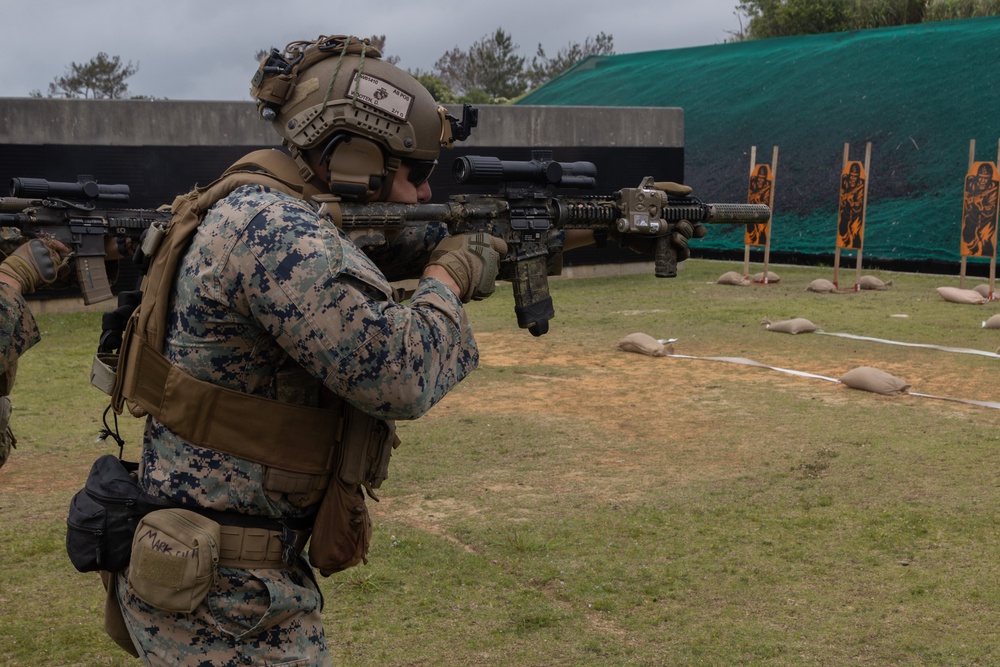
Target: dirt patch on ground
612,382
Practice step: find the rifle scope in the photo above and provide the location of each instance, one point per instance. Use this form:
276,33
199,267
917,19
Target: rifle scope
86,188
541,169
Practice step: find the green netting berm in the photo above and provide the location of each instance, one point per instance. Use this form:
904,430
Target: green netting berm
919,93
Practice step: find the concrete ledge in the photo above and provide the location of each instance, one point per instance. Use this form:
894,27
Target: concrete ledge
646,127
191,123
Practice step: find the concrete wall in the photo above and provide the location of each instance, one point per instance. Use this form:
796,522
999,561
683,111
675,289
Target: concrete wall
162,148
185,123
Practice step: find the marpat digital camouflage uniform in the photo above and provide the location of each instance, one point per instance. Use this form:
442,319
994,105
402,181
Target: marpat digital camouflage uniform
18,332
268,283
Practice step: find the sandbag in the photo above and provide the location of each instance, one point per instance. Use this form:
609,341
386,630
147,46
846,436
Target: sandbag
771,277
871,379
733,278
873,283
958,295
821,286
992,323
793,326
641,343
983,289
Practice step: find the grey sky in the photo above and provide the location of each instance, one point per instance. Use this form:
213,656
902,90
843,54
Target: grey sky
204,49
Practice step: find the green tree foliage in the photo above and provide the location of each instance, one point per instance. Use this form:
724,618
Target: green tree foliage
490,71
783,18
490,65
102,78
944,10
544,68
378,41
436,87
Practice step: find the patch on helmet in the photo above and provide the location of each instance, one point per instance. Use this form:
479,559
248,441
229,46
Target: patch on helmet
380,94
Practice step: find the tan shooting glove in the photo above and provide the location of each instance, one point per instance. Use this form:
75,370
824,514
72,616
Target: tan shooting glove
37,263
473,261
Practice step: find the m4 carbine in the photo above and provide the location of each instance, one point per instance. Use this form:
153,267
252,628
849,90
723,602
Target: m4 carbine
70,213
527,210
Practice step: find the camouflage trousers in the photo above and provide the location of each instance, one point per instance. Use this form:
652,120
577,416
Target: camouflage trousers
250,617
7,440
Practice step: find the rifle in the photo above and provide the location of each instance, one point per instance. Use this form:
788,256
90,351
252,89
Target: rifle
527,208
68,212
523,213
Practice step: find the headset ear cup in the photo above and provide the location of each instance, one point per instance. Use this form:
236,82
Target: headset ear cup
356,168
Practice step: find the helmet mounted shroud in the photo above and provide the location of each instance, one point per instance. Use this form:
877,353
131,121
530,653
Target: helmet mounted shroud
335,100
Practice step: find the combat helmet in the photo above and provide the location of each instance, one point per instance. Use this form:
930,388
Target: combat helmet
335,96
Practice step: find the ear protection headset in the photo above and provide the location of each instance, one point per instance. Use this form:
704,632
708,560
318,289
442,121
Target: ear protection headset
357,167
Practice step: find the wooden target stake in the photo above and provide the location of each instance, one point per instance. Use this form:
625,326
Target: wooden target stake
979,233
760,191
854,207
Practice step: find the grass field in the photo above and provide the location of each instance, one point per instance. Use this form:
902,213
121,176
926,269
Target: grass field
572,504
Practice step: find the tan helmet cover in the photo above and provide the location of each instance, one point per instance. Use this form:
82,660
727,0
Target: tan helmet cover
340,84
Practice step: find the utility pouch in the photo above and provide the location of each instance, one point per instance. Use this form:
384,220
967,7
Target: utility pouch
103,516
104,371
175,554
366,448
342,529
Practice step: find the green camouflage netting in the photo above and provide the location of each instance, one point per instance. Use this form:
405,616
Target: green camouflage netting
919,93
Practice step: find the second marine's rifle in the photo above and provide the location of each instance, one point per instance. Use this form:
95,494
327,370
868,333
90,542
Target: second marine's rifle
75,214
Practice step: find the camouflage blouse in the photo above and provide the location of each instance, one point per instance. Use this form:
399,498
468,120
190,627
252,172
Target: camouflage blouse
267,285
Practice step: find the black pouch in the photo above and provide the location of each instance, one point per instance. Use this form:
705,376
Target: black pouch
104,514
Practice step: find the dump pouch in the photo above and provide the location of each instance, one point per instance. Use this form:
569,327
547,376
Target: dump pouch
103,516
342,529
175,554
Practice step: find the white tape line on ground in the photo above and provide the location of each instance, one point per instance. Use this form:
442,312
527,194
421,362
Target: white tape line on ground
750,362
959,350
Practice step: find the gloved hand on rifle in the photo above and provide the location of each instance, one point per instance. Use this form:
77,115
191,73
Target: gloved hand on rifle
37,263
472,261
683,230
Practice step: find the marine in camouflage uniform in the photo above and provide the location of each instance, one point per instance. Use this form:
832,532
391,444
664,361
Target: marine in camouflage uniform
270,289
18,332
26,266
266,284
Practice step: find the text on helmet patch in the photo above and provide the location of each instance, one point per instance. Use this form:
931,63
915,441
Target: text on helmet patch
380,94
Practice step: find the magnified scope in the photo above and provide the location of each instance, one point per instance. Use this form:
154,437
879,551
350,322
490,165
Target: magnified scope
86,188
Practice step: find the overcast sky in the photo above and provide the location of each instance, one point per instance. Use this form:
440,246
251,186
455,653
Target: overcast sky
204,49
